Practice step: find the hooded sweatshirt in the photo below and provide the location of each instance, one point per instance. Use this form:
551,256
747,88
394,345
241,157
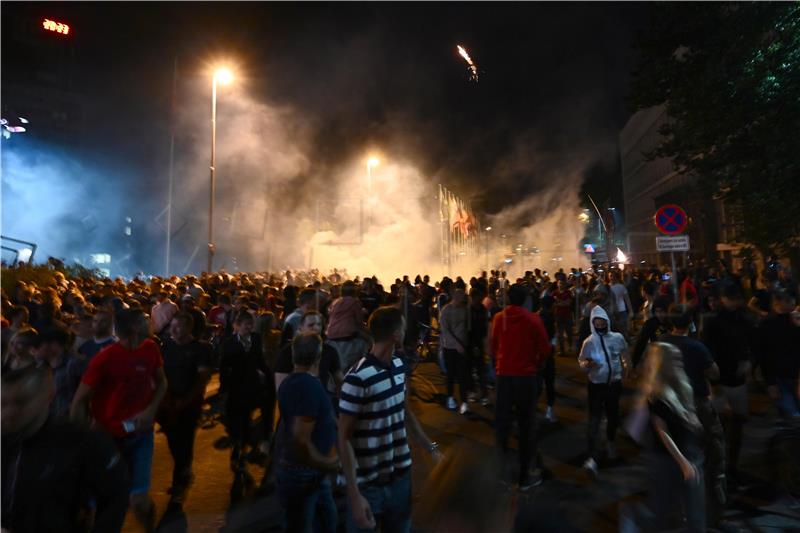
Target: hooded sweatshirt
605,351
519,342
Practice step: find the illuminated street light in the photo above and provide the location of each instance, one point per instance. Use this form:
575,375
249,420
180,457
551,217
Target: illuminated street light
224,76
372,161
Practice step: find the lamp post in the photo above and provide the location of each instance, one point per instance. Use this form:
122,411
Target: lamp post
371,162
223,76
488,266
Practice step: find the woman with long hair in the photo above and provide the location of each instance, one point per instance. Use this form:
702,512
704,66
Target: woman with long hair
675,449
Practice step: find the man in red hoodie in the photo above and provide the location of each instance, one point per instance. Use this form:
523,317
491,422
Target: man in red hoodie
520,345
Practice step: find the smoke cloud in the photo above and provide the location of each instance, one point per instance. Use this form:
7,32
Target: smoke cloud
292,186
68,206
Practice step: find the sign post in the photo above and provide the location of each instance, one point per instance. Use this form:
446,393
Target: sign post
671,220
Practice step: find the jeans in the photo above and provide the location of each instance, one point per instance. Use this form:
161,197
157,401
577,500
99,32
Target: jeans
788,402
180,440
390,504
714,446
549,376
477,363
137,451
620,323
516,396
306,496
564,329
457,370
736,399
602,398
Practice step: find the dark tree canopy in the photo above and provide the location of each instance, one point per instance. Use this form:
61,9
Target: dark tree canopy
729,74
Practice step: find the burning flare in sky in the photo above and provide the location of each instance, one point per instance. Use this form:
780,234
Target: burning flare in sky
473,69
621,257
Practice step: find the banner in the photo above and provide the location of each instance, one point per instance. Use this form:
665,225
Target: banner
460,228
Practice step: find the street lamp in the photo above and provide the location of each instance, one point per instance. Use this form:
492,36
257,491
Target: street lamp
224,76
488,265
372,161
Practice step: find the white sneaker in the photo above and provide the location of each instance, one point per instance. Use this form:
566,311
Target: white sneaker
611,450
464,408
451,403
550,415
591,467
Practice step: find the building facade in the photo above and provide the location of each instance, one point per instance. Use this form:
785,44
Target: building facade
40,76
650,183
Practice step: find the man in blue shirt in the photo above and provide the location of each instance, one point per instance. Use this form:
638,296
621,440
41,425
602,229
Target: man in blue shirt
308,436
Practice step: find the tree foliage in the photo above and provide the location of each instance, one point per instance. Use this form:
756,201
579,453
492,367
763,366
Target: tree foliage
729,75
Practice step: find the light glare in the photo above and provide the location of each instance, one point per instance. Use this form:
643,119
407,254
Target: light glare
223,75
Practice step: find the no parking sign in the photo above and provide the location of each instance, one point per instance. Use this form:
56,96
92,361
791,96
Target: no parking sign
671,219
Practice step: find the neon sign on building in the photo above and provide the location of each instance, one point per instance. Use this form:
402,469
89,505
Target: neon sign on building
58,27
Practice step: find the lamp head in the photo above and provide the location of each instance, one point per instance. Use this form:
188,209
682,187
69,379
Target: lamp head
223,75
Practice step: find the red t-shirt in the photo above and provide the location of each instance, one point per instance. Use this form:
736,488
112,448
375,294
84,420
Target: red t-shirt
688,294
123,382
218,315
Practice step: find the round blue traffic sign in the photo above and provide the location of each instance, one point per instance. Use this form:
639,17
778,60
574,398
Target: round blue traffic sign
671,219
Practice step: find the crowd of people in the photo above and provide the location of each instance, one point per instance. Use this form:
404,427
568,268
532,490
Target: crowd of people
90,366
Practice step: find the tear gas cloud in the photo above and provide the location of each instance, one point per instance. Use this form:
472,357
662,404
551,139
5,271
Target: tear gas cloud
69,207
277,208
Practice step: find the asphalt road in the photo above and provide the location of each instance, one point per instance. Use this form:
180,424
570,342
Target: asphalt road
461,494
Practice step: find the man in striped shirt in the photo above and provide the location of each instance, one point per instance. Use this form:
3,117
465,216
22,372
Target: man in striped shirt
373,444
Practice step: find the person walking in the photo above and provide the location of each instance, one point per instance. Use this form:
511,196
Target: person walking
187,365
729,336
520,345
374,422
675,455
699,367
247,385
454,326
308,443
602,357
123,386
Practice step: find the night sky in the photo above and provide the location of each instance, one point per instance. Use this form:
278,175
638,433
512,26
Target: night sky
553,77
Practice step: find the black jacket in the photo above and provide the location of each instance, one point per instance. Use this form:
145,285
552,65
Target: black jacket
478,325
651,330
779,348
49,478
243,374
730,336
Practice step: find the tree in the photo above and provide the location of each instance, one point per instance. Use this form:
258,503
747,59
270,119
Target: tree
729,75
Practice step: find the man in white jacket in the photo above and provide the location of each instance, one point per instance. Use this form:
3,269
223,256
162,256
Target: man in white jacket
603,357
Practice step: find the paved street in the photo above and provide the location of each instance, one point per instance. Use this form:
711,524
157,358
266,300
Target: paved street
461,484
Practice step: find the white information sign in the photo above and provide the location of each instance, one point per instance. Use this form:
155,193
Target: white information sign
678,243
